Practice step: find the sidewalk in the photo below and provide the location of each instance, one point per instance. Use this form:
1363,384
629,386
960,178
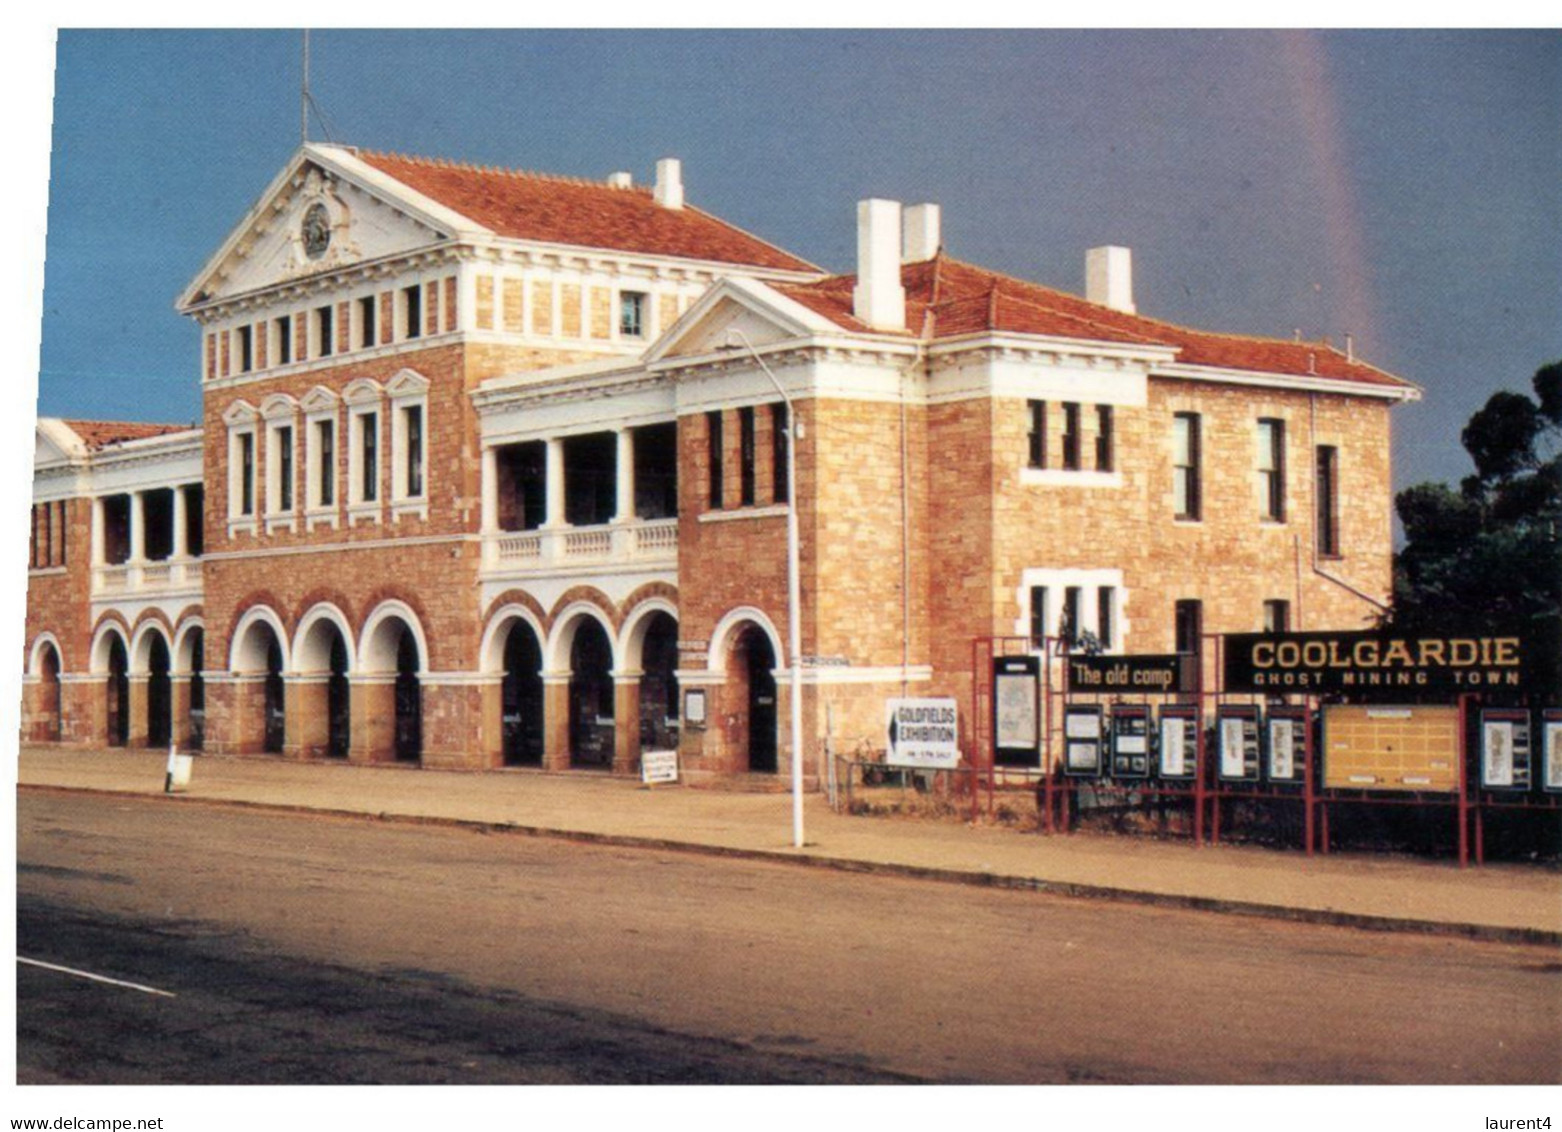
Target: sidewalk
1509,902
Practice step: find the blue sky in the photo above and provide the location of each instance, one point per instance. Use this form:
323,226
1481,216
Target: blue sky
1402,186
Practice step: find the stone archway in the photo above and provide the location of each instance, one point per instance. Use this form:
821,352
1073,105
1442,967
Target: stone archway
117,692
388,704
751,679
260,694
159,691
48,715
322,661
521,697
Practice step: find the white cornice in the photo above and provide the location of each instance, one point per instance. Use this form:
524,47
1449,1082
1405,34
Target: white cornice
1308,384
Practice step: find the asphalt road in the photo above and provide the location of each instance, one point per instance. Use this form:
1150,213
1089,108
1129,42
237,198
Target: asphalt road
306,949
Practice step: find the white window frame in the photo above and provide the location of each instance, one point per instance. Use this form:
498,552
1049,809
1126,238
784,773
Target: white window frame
317,339
274,339
364,397
645,305
280,412
242,420
321,406
1090,583
407,390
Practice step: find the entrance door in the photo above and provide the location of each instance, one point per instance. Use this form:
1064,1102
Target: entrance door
761,704
276,719
521,698
337,702
409,700
159,696
118,694
50,665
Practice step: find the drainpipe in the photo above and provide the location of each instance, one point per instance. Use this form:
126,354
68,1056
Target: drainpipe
1312,439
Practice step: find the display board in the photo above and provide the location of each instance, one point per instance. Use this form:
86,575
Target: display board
1367,747
1551,746
922,733
1236,739
1285,745
1178,754
1082,740
1505,749
1130,741
1017,710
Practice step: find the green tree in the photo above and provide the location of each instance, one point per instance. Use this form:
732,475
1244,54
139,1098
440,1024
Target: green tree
1487,555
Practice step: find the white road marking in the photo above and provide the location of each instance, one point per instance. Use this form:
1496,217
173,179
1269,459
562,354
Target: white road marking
95,978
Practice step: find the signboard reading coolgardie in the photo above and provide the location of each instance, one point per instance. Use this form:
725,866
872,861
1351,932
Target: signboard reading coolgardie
1378,663
922,733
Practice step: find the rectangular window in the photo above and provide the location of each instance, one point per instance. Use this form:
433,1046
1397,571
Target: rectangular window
1038,433
1104,454
246,473
1072,625
325,438
412,304
369,469
366,312
414,427
1185,465
284,325
325,334
746,454
1189,626
246,348
285,468
631,314
779,432
1071,437
1038,616
1328,501
194,520
1277,616
1271,467
33,558
713,426
1106,602
60,526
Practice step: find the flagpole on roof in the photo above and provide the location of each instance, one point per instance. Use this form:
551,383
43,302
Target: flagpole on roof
303,107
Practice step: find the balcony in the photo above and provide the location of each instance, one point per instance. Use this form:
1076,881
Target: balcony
641,544
146,579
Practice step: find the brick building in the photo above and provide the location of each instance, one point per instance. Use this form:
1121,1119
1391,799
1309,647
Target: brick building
492,471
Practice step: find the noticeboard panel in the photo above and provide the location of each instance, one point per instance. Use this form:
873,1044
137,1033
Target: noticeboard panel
1380,747
1505,750
1082,740
1285,746
1016,710
1178,749
1551,750
1130,741
1237,743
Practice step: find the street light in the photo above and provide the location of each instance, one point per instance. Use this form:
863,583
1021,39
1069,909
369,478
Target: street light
794,600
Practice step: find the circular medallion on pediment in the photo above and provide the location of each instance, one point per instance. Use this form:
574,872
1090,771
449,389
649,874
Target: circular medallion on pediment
316,230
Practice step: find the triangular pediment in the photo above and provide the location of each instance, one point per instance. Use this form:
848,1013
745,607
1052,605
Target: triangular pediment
324,212
734,311
55,444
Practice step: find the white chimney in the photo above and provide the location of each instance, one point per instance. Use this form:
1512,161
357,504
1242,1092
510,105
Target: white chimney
669,183
621,180
1109,278
921,239
879,299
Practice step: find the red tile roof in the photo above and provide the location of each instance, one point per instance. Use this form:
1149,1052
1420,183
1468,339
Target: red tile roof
946,298
562,210
98,435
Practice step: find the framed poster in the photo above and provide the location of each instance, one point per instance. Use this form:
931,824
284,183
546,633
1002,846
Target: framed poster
1551,738
1391,747
1130,741
694,707
1504,749
1082,740
1286,745
1017,710
1236,737
1179,745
